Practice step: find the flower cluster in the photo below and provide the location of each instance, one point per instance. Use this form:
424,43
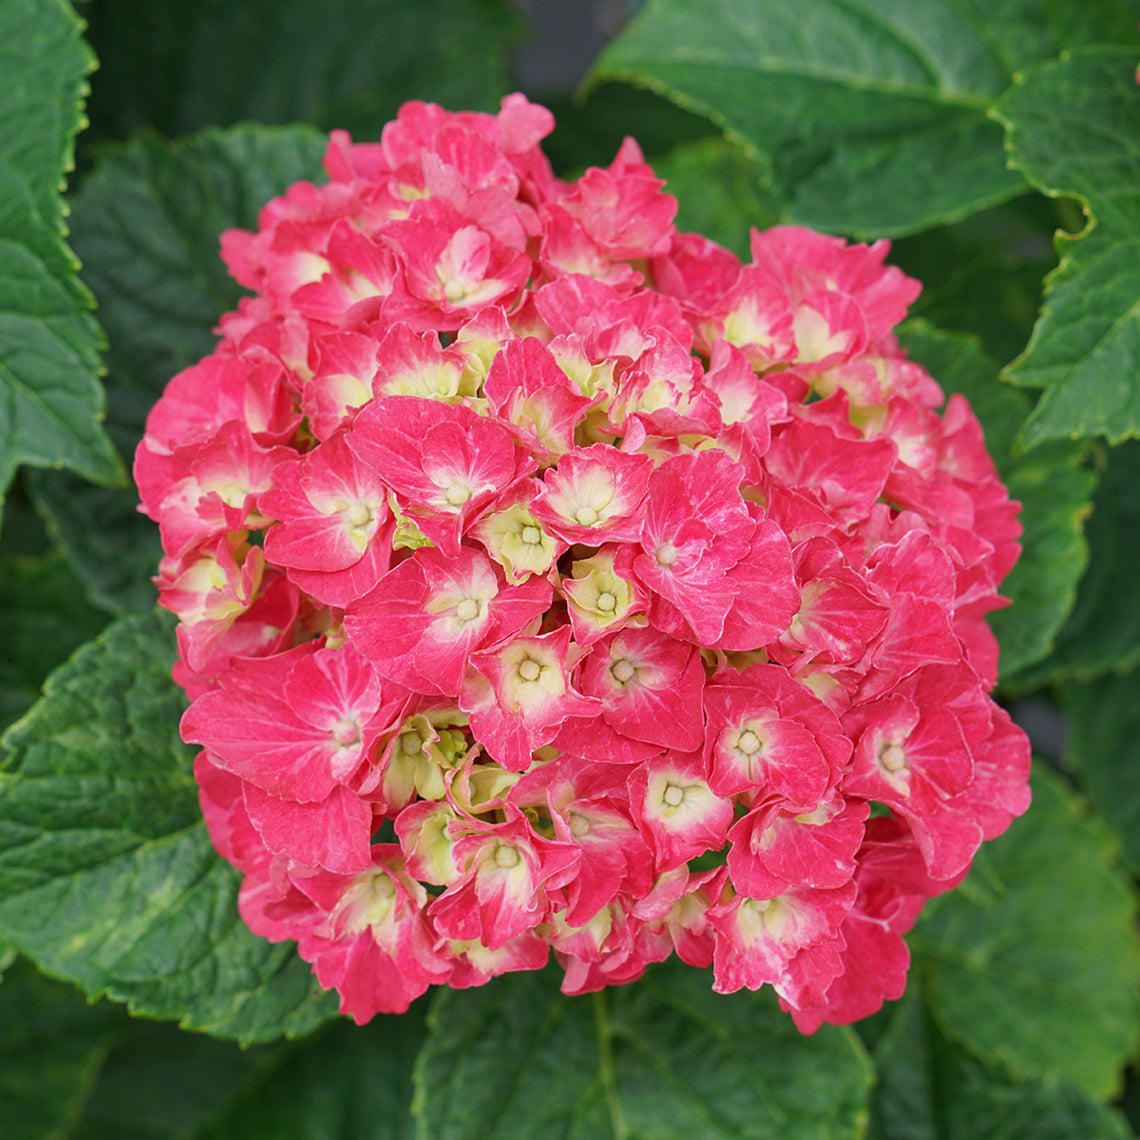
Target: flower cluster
551,580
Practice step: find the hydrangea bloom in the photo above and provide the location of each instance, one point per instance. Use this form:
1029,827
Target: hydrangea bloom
549,580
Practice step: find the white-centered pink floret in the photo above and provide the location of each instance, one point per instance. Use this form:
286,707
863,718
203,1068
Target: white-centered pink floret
426,617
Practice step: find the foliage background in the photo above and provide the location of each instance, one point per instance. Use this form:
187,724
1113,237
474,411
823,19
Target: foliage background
997,142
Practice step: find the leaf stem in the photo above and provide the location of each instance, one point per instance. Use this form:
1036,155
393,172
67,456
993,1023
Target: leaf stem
606,1066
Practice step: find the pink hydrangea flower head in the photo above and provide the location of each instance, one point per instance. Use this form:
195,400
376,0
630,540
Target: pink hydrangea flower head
636,595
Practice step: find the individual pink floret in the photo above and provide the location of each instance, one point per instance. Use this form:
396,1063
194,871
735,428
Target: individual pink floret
526,388
375,944
205,489
697,531
333,524
427,616
775,846
678,813
444,464
594,496
500,892
650,686
519,694
770,736
298,724
789,941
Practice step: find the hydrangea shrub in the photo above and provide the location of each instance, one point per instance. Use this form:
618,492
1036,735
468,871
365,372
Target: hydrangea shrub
550,580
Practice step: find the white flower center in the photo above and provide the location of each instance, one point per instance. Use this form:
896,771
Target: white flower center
607,602
358,515
748,742
506,856
454,291
673,795
892,758
467,610
346,732
623,671
530,670
531,535
666,554
586,516
457,494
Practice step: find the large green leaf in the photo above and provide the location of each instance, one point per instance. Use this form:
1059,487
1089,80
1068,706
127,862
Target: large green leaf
929,174
930,1088
89,1072
1053,487
185,64
107,876
146,224
1104,720
69,1068
1033,965
1072,127
1102,633
51,1046
45,618
984,274
869,118
662,1059
1055,492
159,1083
588,131
345,1082
156,1082
51,400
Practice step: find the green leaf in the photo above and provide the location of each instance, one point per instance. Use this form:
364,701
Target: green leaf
159,1083
1053,487
869,118
1055,492
662,1059
984,275
89,1072
1033,964
111,547
1102,633
932,175
1072,127
716,189
346,1081
45,618
1104,719
107,875
146,224
930,1088
23,534
588,131
186,64
51,400
52,1043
